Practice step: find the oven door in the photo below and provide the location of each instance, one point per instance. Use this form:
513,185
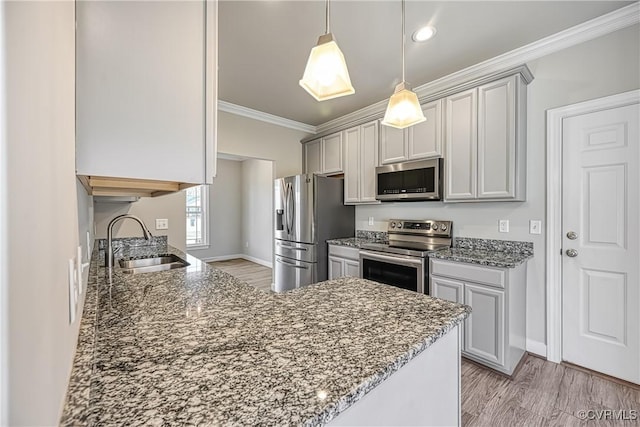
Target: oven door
401,271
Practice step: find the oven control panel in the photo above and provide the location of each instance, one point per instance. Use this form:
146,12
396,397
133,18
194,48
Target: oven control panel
430,227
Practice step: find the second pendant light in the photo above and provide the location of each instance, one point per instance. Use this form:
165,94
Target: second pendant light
403,109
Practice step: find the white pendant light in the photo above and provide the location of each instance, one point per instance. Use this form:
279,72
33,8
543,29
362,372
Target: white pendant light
403,109
326,75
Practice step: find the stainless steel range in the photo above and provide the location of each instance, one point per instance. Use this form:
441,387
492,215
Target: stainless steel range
403,262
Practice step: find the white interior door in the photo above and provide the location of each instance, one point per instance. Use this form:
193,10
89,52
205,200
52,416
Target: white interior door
601,234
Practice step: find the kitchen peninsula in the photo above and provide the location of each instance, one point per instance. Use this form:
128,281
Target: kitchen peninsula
197,346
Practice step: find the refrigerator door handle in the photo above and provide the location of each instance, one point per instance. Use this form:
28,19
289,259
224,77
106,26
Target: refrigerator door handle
290,209
302,267
291,247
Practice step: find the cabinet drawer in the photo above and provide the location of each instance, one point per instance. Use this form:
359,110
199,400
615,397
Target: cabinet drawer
468,272
344,252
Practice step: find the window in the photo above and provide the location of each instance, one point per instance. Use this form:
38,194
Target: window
197,216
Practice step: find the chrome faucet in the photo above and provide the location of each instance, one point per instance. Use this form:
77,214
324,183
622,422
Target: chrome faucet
108,253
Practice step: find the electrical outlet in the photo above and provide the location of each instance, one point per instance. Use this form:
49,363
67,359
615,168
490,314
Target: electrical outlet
370,220
162,224
503,226
73,292
89,248
79,270
246,244
535,226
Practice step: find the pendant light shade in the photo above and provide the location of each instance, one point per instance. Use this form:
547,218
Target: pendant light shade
326,75
403,109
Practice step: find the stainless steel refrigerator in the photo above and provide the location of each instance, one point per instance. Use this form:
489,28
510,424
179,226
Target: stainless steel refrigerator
309,211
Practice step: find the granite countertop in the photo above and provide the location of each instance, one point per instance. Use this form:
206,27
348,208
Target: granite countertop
352,242
362,237
197,346
490,252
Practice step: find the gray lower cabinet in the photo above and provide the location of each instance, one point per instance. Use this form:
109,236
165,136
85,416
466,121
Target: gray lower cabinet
494,334
343,261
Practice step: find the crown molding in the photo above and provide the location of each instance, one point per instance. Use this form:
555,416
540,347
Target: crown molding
239,110
597,27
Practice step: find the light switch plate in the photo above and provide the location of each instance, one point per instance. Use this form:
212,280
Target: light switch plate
162,224
535,226
503,226
370,220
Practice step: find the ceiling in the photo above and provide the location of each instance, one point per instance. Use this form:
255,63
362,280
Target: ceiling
264,45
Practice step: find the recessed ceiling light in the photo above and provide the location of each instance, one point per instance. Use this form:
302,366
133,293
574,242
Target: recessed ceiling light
423,34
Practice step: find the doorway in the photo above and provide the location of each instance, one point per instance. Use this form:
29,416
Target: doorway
593,236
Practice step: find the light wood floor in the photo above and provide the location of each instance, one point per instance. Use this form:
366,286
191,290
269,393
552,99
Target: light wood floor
541,394
247,271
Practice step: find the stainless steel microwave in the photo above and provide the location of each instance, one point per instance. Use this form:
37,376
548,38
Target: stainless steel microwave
410,181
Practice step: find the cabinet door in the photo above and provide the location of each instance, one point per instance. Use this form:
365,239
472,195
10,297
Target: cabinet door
313,157
461,146
392,145
368,161
140,90
351,268
336,267
484,328
425,139
352,165
332,153
448,289
497,139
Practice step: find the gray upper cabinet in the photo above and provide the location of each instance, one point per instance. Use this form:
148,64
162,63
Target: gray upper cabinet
393,147
332,154
420,141
313,156
361,159
424,140
461,146
146,90
485,142
324,156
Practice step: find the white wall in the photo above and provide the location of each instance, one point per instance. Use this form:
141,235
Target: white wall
148,209
250,138
42,207
240,205
4,266
257,209
225,212
597,68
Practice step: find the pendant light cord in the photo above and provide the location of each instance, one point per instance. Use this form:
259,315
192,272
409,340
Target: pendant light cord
403,37
326,22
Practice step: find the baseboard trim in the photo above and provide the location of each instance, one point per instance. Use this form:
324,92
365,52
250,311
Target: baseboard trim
537,348
221,258
240,256
257,260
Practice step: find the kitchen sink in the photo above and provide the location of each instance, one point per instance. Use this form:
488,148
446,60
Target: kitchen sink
152,264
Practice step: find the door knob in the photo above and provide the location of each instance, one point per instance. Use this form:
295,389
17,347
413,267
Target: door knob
572,253
572,235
